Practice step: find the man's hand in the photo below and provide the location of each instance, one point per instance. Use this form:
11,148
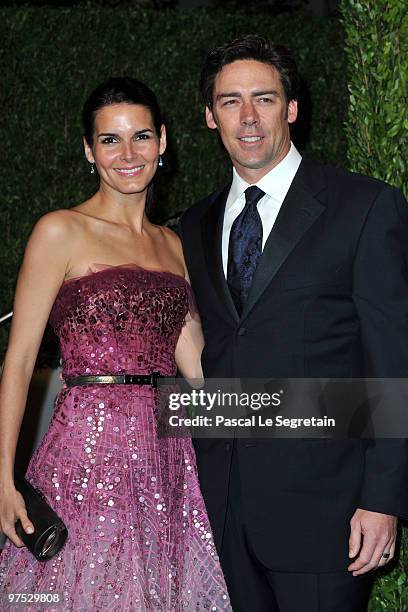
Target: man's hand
378,532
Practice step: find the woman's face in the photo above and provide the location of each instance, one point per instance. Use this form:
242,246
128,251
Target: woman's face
126,147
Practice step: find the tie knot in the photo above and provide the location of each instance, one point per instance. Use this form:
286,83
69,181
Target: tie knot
252,195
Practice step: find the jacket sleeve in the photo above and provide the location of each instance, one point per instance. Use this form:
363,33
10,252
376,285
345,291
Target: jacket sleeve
380,294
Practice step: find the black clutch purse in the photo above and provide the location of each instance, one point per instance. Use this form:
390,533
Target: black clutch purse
50,533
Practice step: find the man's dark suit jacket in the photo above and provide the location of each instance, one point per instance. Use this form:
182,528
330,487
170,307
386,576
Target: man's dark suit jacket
329,299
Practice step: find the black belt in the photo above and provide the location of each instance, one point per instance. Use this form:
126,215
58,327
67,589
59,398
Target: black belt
114,379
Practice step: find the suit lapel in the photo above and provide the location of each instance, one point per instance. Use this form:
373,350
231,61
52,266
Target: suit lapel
211,233
299,211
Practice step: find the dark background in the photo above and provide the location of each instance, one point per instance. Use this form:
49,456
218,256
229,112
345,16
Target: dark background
320,8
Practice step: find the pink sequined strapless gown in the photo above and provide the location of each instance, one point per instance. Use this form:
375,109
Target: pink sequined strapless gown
139,536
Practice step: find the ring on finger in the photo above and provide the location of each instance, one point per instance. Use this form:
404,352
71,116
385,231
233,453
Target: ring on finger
386,555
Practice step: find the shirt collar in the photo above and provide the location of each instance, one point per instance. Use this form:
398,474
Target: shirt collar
276,183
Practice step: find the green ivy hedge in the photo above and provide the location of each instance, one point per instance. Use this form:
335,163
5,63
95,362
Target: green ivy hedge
377,145
50,59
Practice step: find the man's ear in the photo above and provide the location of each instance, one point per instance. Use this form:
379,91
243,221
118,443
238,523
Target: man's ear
292,111
88,152
210,119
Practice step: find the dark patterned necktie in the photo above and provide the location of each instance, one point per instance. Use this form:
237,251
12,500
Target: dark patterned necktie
245,248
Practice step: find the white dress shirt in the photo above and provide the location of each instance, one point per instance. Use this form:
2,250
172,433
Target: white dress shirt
275,184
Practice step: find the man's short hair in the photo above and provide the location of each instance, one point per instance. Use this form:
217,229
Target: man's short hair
250,47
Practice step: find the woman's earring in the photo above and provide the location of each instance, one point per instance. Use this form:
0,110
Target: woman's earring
92,168
160,161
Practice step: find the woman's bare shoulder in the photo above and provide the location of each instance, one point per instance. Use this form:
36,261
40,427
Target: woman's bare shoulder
175,246
58,224
171,236
56,236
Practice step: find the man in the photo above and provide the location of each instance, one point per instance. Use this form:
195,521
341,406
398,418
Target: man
299,271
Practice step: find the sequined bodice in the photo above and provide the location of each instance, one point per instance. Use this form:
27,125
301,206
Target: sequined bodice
120,319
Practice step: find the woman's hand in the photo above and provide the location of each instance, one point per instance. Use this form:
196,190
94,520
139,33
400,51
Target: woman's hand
12,508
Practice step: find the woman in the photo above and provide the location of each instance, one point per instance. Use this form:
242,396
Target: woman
113,286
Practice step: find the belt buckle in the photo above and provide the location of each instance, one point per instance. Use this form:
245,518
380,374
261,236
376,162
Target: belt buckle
136,379
153,379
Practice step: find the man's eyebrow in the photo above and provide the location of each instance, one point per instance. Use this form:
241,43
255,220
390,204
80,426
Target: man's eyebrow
268,92
116,135
254,94
231,94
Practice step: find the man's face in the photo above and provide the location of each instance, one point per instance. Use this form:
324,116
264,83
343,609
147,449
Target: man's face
252,116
